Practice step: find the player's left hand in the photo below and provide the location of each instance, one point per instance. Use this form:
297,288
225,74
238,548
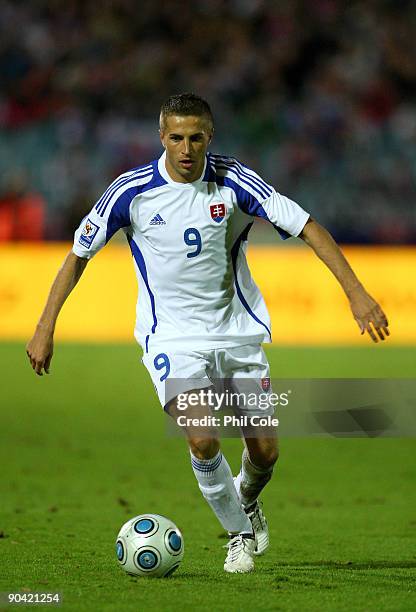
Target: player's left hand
368,314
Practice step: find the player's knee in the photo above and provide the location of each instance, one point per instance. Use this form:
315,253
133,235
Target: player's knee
204,448
272,456
266,458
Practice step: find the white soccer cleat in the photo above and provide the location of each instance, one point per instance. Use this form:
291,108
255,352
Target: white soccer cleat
260,528
240,554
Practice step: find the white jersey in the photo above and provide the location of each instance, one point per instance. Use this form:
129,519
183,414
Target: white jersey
188,241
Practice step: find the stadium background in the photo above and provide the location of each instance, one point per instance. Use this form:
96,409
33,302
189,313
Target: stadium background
320,98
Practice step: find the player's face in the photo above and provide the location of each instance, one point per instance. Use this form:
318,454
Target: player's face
186,140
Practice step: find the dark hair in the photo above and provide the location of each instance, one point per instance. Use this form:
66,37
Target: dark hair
186,104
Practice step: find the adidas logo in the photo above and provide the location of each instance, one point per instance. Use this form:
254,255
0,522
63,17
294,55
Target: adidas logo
157,220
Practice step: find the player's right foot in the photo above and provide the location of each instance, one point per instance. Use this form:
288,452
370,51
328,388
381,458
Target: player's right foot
260,528
240,554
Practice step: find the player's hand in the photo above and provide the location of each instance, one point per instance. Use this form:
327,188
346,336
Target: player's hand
40,350
369,315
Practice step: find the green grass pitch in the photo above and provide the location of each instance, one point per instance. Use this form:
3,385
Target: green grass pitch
85,449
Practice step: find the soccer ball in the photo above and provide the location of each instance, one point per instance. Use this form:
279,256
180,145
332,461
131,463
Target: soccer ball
149,545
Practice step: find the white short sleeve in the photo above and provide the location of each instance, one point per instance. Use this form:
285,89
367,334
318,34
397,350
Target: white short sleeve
285,214
90,236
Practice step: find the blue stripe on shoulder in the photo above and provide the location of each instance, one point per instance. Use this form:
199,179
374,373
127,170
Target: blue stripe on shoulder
125,183
121,180
235,166
259,191
120,213
247,202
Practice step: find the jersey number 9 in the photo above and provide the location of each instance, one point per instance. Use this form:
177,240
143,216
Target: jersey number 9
192,238
161,362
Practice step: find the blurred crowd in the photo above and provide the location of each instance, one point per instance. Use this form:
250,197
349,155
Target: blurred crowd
319,96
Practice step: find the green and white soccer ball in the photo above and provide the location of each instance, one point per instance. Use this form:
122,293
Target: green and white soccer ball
149,545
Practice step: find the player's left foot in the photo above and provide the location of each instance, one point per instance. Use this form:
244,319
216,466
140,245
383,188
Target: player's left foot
260,528
240,554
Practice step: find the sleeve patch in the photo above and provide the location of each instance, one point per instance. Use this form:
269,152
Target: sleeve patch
88,233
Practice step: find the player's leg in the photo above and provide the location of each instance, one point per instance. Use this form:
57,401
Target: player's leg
216,483
211,468
249,371
258,460
181,373
259,457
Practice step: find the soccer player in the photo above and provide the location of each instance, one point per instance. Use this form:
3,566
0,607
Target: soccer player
200,317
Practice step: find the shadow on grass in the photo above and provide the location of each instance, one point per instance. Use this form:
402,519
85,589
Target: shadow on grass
350,565
299,579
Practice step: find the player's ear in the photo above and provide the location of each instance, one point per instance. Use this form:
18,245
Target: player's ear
211,136
161,136
162,129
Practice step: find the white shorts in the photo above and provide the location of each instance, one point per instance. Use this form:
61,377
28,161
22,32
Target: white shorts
242,369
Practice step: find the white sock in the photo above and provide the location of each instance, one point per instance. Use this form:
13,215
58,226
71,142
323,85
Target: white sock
217,486
251,480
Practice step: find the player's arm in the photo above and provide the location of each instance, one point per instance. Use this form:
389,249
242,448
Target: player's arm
40,347
365,309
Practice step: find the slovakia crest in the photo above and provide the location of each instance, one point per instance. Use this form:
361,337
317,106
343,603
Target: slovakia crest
217,212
